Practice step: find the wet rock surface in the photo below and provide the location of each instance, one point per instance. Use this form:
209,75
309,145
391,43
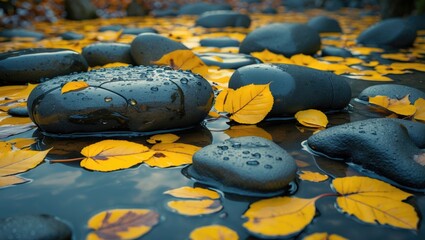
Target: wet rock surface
23,33
324,24
283,38
219,42
18,112
137,99
222,19
32,65
228,60
335,51
71,36
137,31
40,226
149,47
201,7
244,165
394,91
390,148
389,33
295,88
99,54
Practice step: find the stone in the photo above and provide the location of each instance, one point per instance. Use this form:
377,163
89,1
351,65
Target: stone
335,51
245,165
417,22
34,64
135,9
269,10
324,24
219,42
71,36
228,60
164,13
18,112
79,10
282,38
389,33
137,31
295,88
149,47
201,7
121,100
42,226
115,28
99,54
222,19
394,91
380,145
21,33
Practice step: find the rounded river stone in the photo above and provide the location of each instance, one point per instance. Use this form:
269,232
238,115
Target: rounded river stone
138,99
244,165
41,226
381,145
149,47
324,24
137,31
11,33
392,33
219,42
18,112
222,19
33,64
115,28
394,91
296,88
335,51
99,54
228,60
201,7
282,38
71,36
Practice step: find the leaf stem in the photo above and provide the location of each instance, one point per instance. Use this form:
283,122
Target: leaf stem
328,195
66,160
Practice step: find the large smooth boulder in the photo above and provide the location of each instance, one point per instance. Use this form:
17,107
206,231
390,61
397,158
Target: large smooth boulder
99,54
394,91
387,147
34,64
295,88
138,99
324,24
245,165
389,33
201,7
282,38
222,19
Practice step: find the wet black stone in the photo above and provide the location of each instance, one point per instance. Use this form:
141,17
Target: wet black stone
335,51
283,38
41,226
269,10
99,54
243,165
137,99
229,60
219,42
137,31
32,65
417,22
389,33
164,13
149,47
114,28
18,112
324,24
381,145
11,33
222,19
79,10
296,88
201,7
391,90
71,36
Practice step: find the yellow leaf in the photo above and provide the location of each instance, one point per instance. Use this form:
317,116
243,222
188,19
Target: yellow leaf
21,142
110,155
14,120
312,176
303,60
365,50
247,130
13,162
249,104
6,181
220,76
223,100
195,207
122,223
108,36
195,193
383,69
324,236
213,232
111,65
5,146
279,216
214,114
404,66
185,60
312,118
74,86
16,92
420,109
371,64
399,56
402,106
333,59
171,154
270,57
380,100
374,201
369,75
163,138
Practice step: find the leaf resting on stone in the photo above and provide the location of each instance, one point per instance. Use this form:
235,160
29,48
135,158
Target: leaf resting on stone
185,60
74,86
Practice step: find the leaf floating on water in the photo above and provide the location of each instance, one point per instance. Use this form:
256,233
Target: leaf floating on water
279,216
74,86
374,201
171,154
122,223
247,130
185,60
324,236
19,161
420,109
21,143
163,138
6,181
194,193
213,232
312,176
312,118
195,207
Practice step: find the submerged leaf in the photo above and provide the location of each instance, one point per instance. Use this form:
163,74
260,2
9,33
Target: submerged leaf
312,176
74,86
14,162
195,207
213,232
163,138
194,193
247,130
185,60
312,118
171,154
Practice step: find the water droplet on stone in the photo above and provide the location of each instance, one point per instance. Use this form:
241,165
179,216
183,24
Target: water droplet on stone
252,163
246,152
223,147
155,89
225,158
279,159
256,155
268,166
362,131
108,99
183,80
149,79
236,145
132,102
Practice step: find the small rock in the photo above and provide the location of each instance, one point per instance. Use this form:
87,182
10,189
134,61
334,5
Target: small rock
282,38
71,36
41,226
222,19
115,28
33,64
164,13
22,33
137,99
228,60
201,7
137,31
245,165
80,10
149,47
380,145
394,91
335,51
389,33
219,42
296,88
18,112
324,24
99,54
